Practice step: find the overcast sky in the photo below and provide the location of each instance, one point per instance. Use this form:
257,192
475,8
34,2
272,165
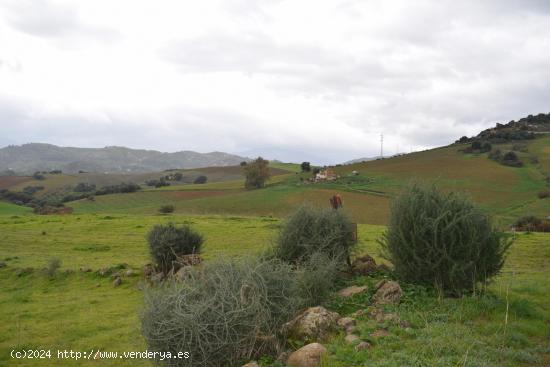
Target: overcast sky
294,80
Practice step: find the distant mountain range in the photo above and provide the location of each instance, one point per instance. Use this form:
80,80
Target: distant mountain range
28,158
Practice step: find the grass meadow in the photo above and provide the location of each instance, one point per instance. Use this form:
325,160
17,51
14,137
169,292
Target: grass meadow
83,311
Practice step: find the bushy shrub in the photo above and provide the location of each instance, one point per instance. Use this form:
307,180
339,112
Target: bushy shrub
38,176
200,179
84,187
528,223
52,267
120,188
165,209
310,230
316,278
31,190
225,313
442,240
167,241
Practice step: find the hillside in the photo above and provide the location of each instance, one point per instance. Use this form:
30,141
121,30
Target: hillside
29,158
507,192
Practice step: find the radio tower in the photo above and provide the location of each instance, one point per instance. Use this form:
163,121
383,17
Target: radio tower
381,145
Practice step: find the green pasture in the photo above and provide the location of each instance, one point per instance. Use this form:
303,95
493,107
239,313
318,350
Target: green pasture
84,311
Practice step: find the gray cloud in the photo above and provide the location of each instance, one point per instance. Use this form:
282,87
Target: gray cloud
49,19
423,73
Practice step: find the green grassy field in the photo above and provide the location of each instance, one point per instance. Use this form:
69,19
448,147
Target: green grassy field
84,311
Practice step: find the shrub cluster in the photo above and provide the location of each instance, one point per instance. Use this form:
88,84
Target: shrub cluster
531,223
227,311
442,240
509,158
31,190
165,209
310,230
478,146
157,183
167,242
200,179
84,187
120,188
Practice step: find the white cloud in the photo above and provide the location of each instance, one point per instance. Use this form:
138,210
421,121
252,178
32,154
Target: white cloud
286,79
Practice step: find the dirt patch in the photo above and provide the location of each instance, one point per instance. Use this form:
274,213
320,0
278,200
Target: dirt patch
8,181
190,195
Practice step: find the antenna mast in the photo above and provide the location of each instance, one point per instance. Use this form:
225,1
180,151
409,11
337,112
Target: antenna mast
381,145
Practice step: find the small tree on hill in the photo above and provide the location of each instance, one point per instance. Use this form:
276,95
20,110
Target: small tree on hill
257,173
306,166
200,179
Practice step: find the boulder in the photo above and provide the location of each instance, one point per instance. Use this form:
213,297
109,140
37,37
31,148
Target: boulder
346,323
387,292
85,269
129,273
307,356
362,346
313,324
251,364
364,265
350,291
117,282
3,264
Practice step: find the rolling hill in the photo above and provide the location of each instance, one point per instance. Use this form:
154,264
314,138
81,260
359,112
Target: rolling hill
29,158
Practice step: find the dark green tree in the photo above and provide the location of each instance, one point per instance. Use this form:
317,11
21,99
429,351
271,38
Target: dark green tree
306,166
257,173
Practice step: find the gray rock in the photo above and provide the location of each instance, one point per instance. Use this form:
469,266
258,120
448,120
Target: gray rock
364,265
362,346
313,324
350,291
387,292
117,282
346,322
307,356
